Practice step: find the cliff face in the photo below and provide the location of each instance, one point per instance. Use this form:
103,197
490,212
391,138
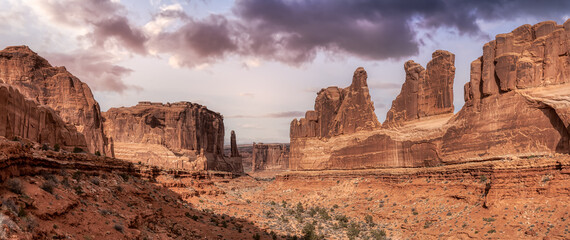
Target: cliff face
270,157
339,111
516,101
180,135
517,104
373,147
425,92
55,87
25,118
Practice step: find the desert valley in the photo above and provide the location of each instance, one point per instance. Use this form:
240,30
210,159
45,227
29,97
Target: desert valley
498,168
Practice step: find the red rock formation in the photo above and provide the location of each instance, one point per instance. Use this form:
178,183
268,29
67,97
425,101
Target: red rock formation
25,118
179,135
517,98
517,104
233,144
55,87
425,92
339,111
270,157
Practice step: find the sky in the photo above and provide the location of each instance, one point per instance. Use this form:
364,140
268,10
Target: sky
259,63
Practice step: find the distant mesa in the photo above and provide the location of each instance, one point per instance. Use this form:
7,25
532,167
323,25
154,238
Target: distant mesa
180,135
270,157
517,105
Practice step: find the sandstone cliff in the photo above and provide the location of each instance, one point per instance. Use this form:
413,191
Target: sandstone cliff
339,111
21,117
270,157
425,92
517,104
517,100
179,135
55,87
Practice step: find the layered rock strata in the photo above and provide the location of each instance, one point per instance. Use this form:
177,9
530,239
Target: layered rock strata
518,98
21,117
339,111
426,92
55,87
180,135
414,143
270,157
517,104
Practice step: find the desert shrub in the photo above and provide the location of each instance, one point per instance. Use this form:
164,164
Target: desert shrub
353,231
119,227
414,212
492,231
284,203
483,178
11,205
78,190
14,185
97,153
48,186
96,181
77,175
56,147
124,176
489,219
78,150
369,220
300,208
45,147
309,232
256,236
378,234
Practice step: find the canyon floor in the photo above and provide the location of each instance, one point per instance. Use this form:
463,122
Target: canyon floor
58,195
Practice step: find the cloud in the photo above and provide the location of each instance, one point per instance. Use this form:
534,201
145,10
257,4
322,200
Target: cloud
289,114
95,68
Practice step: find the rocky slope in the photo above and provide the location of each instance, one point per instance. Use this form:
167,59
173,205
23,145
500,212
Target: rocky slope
180,135
517,104
55,87
270,157
57,195
24,118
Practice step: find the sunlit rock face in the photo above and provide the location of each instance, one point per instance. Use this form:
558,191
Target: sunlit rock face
517,103
55,87
179,135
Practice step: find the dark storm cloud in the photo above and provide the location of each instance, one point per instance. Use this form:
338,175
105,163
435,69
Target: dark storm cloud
199,41
94,68
119,28
293,31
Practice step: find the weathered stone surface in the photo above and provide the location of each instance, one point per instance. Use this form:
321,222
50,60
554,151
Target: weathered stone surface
270,157
426,92
233,145
55,87
517,105
339,111
24,118
189,136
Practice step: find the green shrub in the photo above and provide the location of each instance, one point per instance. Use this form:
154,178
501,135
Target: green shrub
489,219
353,231
97,153
300,208
45,147
309,232
378,234
256,236
56,147
369,220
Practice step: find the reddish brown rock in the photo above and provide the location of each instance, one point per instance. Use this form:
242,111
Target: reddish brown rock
270,157
233,144
517,105
425,92
179,135
55,87
21,117
339,111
